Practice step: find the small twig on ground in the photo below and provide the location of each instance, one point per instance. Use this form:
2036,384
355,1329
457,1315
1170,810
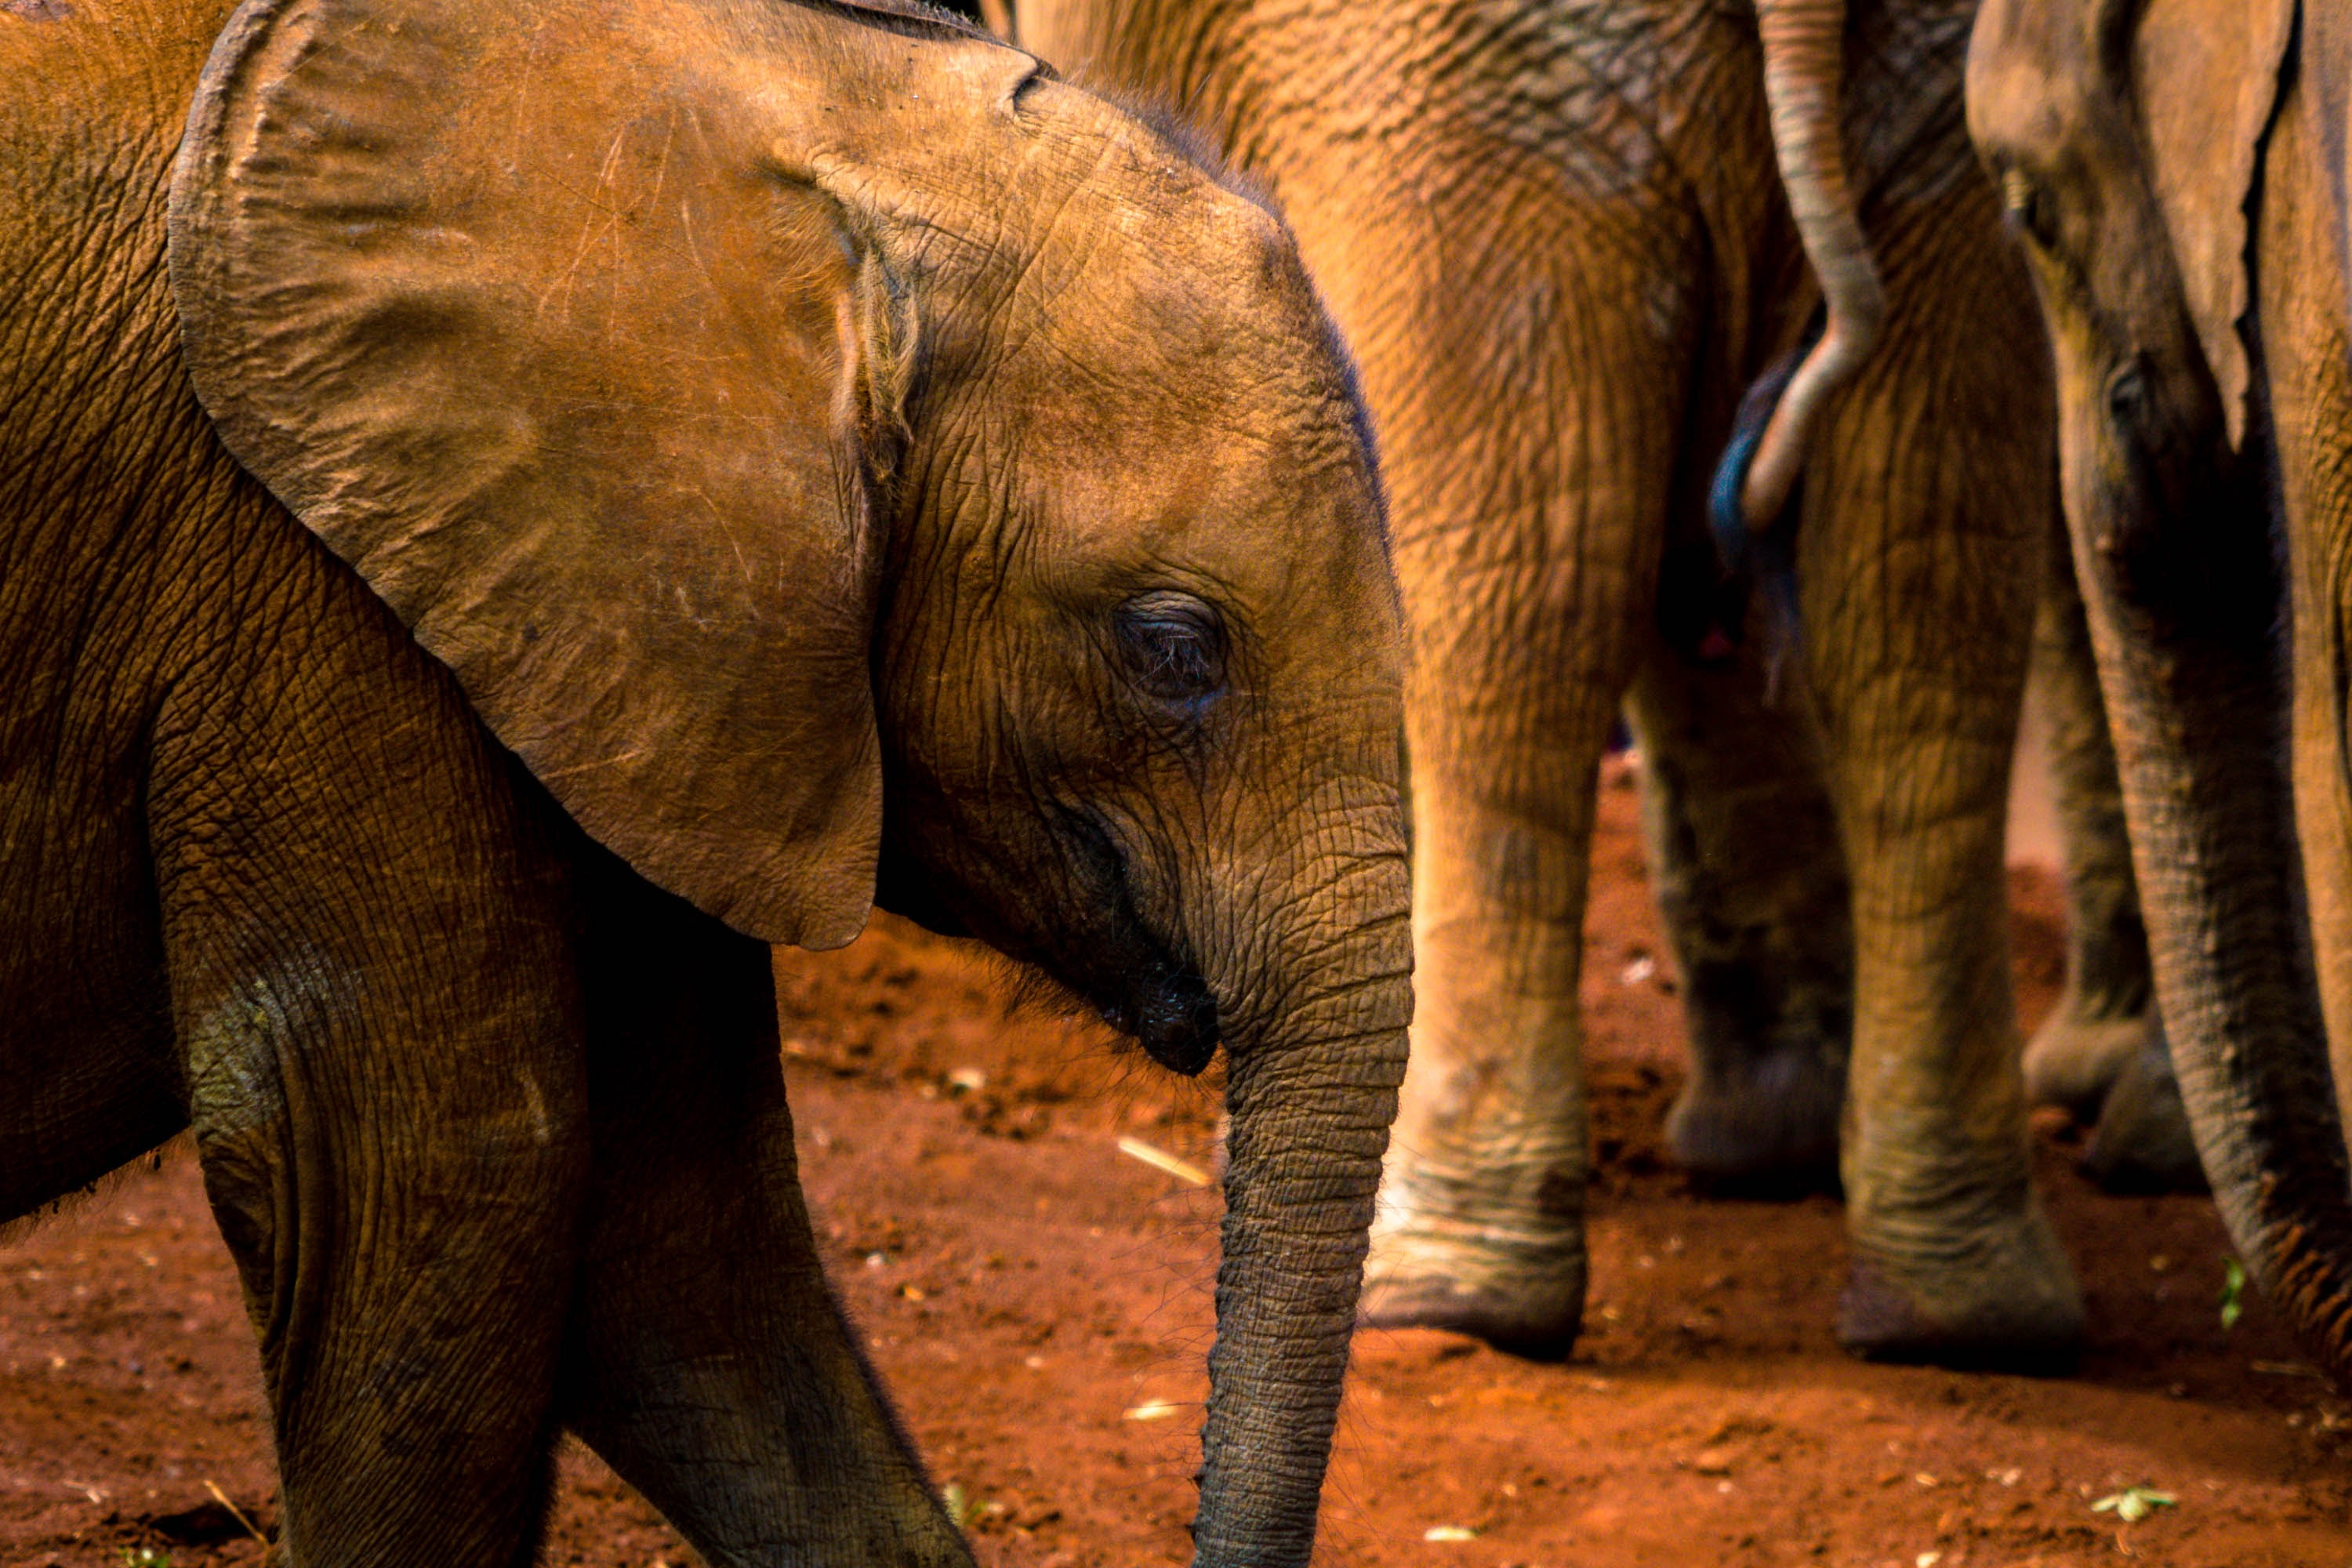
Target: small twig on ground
1161,1160
235,1512
2286,1369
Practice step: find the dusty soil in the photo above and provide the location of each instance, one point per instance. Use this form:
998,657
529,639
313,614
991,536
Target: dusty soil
1039,1303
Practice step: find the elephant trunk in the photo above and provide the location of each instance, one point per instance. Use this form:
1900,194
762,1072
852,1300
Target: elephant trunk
1804,60
2209,802
1310,1107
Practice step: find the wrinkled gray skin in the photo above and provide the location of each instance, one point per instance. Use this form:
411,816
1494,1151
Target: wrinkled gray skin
1750,879
1557,238
529,478
2101,1054
2175,170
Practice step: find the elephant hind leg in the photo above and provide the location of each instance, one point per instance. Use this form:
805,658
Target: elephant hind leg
706,1359
1479,1225
1926,520
1528,548
1750,880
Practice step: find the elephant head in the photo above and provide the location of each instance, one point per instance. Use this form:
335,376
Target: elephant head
2127,137
817,440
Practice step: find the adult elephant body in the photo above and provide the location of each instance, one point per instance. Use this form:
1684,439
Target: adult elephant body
522,485
2177,172
1555,234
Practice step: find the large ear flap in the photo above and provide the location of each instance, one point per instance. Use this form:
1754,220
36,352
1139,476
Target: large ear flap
2206,76
2324,60
510,305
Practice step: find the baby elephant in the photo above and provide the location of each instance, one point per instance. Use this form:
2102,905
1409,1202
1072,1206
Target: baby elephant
531,485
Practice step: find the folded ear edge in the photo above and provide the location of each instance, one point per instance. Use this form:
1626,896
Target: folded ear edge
2204,174
786,850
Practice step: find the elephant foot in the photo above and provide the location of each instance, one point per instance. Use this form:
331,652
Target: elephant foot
1522,1293
1767,1128
2009,1304
1541,1326
2072,1060
2142,1143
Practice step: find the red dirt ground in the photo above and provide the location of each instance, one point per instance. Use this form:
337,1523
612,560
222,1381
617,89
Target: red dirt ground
1039,1304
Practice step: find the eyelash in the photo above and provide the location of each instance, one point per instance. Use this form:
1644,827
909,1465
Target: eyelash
2027,207
1185,656
1176,653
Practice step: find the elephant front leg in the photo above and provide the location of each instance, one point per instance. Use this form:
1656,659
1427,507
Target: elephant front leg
2102,1017
2101,1053
1750,880
406,1276
392,1129
1920,563
707,1360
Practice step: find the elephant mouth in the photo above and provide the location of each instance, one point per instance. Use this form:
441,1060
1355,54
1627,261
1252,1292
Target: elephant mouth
1171,1015
902,887
1098,950
1141,984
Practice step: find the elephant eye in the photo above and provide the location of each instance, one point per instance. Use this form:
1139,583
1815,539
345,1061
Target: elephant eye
2131,394
2029,207
1174,645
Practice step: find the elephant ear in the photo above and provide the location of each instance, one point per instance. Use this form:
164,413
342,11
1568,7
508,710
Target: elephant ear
2326,62
509,305
2206,75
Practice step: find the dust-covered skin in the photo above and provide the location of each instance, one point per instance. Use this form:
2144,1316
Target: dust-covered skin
2102,1017
1557,238
2174,173
795,444
1742,843
2101,1053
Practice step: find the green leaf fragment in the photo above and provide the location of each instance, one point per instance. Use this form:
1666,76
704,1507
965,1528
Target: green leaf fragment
2134,1503
2233,1292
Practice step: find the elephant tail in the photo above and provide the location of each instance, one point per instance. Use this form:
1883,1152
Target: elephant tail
1804,65
1759,553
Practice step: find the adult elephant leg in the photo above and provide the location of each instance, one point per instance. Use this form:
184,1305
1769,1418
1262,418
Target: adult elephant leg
1527,577
1750,877
2144,1142
2102,1052
2102,1017
706,1358
1920,563
371,990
